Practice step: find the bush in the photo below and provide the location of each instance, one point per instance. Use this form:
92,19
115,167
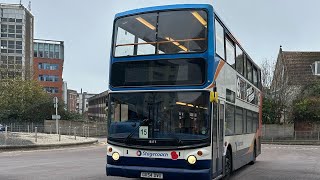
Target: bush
25,101
307,106
271,111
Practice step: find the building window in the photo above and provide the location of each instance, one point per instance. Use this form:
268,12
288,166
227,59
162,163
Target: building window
48,78
51,50
47,66
57,51
35,50
46,50
40,50
316,68
51,90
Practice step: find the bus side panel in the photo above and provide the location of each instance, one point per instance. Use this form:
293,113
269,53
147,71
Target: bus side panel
241,149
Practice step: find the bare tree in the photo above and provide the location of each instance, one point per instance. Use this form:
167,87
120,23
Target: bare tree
267,73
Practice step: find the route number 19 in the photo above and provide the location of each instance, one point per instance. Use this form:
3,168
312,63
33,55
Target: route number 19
143,132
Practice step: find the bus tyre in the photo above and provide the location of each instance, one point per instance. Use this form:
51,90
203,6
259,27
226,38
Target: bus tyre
254,154
228,165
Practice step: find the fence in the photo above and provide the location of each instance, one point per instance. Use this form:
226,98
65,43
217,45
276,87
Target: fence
287,133
30,134
85,130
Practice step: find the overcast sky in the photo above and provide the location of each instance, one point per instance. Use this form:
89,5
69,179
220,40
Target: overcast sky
86,26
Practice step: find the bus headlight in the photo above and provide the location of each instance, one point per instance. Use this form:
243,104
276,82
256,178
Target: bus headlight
116,156
192,159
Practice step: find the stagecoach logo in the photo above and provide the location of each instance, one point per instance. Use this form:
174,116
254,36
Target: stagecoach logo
151,154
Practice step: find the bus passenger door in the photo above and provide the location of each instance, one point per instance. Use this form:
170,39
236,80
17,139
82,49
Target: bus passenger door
214,131
220,137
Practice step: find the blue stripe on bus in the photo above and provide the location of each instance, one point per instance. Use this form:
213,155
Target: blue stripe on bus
167,163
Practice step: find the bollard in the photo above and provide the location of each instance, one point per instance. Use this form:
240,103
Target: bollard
28,129
31,127
75,133
6,135
88,132
83,133
69,130
36,131
295,135
59,133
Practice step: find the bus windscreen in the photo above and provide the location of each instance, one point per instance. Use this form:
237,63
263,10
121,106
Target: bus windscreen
168,32
170,118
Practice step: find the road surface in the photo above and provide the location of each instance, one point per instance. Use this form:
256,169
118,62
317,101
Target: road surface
83,163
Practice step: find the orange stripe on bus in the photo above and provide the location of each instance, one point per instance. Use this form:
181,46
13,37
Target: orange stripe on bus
220,65
211,86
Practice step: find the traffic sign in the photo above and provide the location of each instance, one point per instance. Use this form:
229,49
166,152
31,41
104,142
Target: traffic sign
55,100
56,117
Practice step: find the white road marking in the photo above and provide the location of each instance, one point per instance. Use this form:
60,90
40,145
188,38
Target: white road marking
290,147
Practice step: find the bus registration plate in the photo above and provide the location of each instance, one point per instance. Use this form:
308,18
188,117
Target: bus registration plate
152,175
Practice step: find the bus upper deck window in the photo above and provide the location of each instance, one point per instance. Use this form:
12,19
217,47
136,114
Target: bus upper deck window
168,32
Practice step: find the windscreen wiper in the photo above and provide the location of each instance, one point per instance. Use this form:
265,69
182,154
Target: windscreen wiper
143,123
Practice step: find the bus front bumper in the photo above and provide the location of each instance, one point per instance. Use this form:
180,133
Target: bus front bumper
168,173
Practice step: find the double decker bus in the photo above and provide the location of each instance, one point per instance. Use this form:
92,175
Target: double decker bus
185,99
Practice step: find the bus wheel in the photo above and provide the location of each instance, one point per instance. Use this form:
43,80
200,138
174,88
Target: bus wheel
228,165
254,154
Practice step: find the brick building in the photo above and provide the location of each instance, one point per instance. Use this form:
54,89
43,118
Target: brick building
293,72
72,96
48,65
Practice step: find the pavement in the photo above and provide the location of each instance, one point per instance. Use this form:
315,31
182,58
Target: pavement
14,141
281,162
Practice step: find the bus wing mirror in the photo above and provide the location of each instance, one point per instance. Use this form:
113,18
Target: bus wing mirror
213,96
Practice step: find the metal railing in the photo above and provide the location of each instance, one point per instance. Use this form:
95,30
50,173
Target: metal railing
26,134
83,130
293,136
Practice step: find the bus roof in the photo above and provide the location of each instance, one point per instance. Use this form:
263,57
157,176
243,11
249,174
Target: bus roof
166,7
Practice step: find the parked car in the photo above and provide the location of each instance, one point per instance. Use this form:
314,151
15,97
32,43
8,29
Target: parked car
2,128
